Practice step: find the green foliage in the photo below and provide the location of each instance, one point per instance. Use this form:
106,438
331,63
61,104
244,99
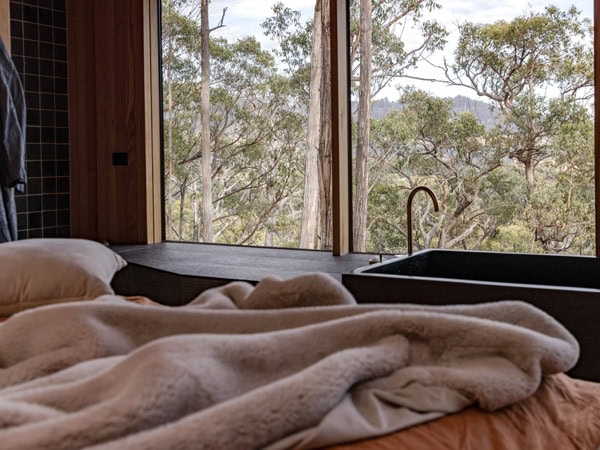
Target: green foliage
516,64
504,58
484,198
255,135
391,57
294,39
387,230
515,237
258,133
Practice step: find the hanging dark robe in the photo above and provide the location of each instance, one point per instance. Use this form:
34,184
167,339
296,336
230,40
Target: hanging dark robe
12,144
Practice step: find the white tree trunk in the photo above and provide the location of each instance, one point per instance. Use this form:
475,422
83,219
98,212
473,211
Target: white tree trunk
196,218
206,154
363,129
181,210
311,168
325,208
169,149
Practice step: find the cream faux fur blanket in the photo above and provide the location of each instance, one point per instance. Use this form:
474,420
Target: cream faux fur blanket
286,364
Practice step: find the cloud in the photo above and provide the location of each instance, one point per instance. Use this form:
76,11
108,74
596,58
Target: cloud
477,11
243,17
486,11
256,11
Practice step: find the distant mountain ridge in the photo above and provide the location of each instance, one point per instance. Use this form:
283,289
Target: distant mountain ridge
382,107
479,109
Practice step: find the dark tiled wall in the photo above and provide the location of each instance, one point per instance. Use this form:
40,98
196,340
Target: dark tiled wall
39,50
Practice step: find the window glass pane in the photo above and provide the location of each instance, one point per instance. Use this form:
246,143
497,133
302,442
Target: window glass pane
242,123
490,106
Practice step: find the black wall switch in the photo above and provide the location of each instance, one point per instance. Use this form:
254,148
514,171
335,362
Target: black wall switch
120,158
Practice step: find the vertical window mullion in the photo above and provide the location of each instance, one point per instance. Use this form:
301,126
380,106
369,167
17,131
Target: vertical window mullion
340,111
597,122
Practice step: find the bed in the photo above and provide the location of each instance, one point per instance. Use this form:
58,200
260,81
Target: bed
285,364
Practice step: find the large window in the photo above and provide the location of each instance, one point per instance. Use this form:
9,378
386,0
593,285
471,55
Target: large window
236,123
492,108
489,106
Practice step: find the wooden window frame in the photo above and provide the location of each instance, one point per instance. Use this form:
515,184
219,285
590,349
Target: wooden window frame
597,122
145,199
341,151
341,144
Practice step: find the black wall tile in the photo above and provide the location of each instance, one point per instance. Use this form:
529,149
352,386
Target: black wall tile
59,5
35,232
34,169
39,50
49,202
16,11
34,221
34,187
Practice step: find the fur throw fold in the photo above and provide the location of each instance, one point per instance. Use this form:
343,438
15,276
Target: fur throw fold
286,364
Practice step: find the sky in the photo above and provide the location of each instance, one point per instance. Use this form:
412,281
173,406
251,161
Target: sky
243,18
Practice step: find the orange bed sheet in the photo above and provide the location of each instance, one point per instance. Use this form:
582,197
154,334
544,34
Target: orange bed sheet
563,414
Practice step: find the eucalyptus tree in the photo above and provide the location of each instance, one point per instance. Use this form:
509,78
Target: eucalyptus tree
535,69
562,207
427,143
255,134
363,121
206,160
304,54
379,55
482,193
186,31
179,44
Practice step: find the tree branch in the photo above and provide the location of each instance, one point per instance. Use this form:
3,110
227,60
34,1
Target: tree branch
220,24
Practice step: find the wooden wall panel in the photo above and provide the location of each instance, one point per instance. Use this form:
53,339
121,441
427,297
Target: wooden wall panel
5,22
120,125
82,120
114,91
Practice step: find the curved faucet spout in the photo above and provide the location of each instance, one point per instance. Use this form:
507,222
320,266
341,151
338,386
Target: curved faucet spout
409,212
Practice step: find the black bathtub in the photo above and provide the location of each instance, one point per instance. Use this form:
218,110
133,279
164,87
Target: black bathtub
566,287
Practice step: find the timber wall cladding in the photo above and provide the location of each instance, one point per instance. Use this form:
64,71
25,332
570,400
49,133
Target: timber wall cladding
5,22
38,45
111,108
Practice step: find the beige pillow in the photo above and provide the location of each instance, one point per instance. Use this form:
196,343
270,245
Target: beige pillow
36,272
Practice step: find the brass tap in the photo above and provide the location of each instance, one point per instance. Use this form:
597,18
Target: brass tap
409,212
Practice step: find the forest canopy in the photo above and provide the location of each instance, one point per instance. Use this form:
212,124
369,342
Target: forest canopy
247,128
